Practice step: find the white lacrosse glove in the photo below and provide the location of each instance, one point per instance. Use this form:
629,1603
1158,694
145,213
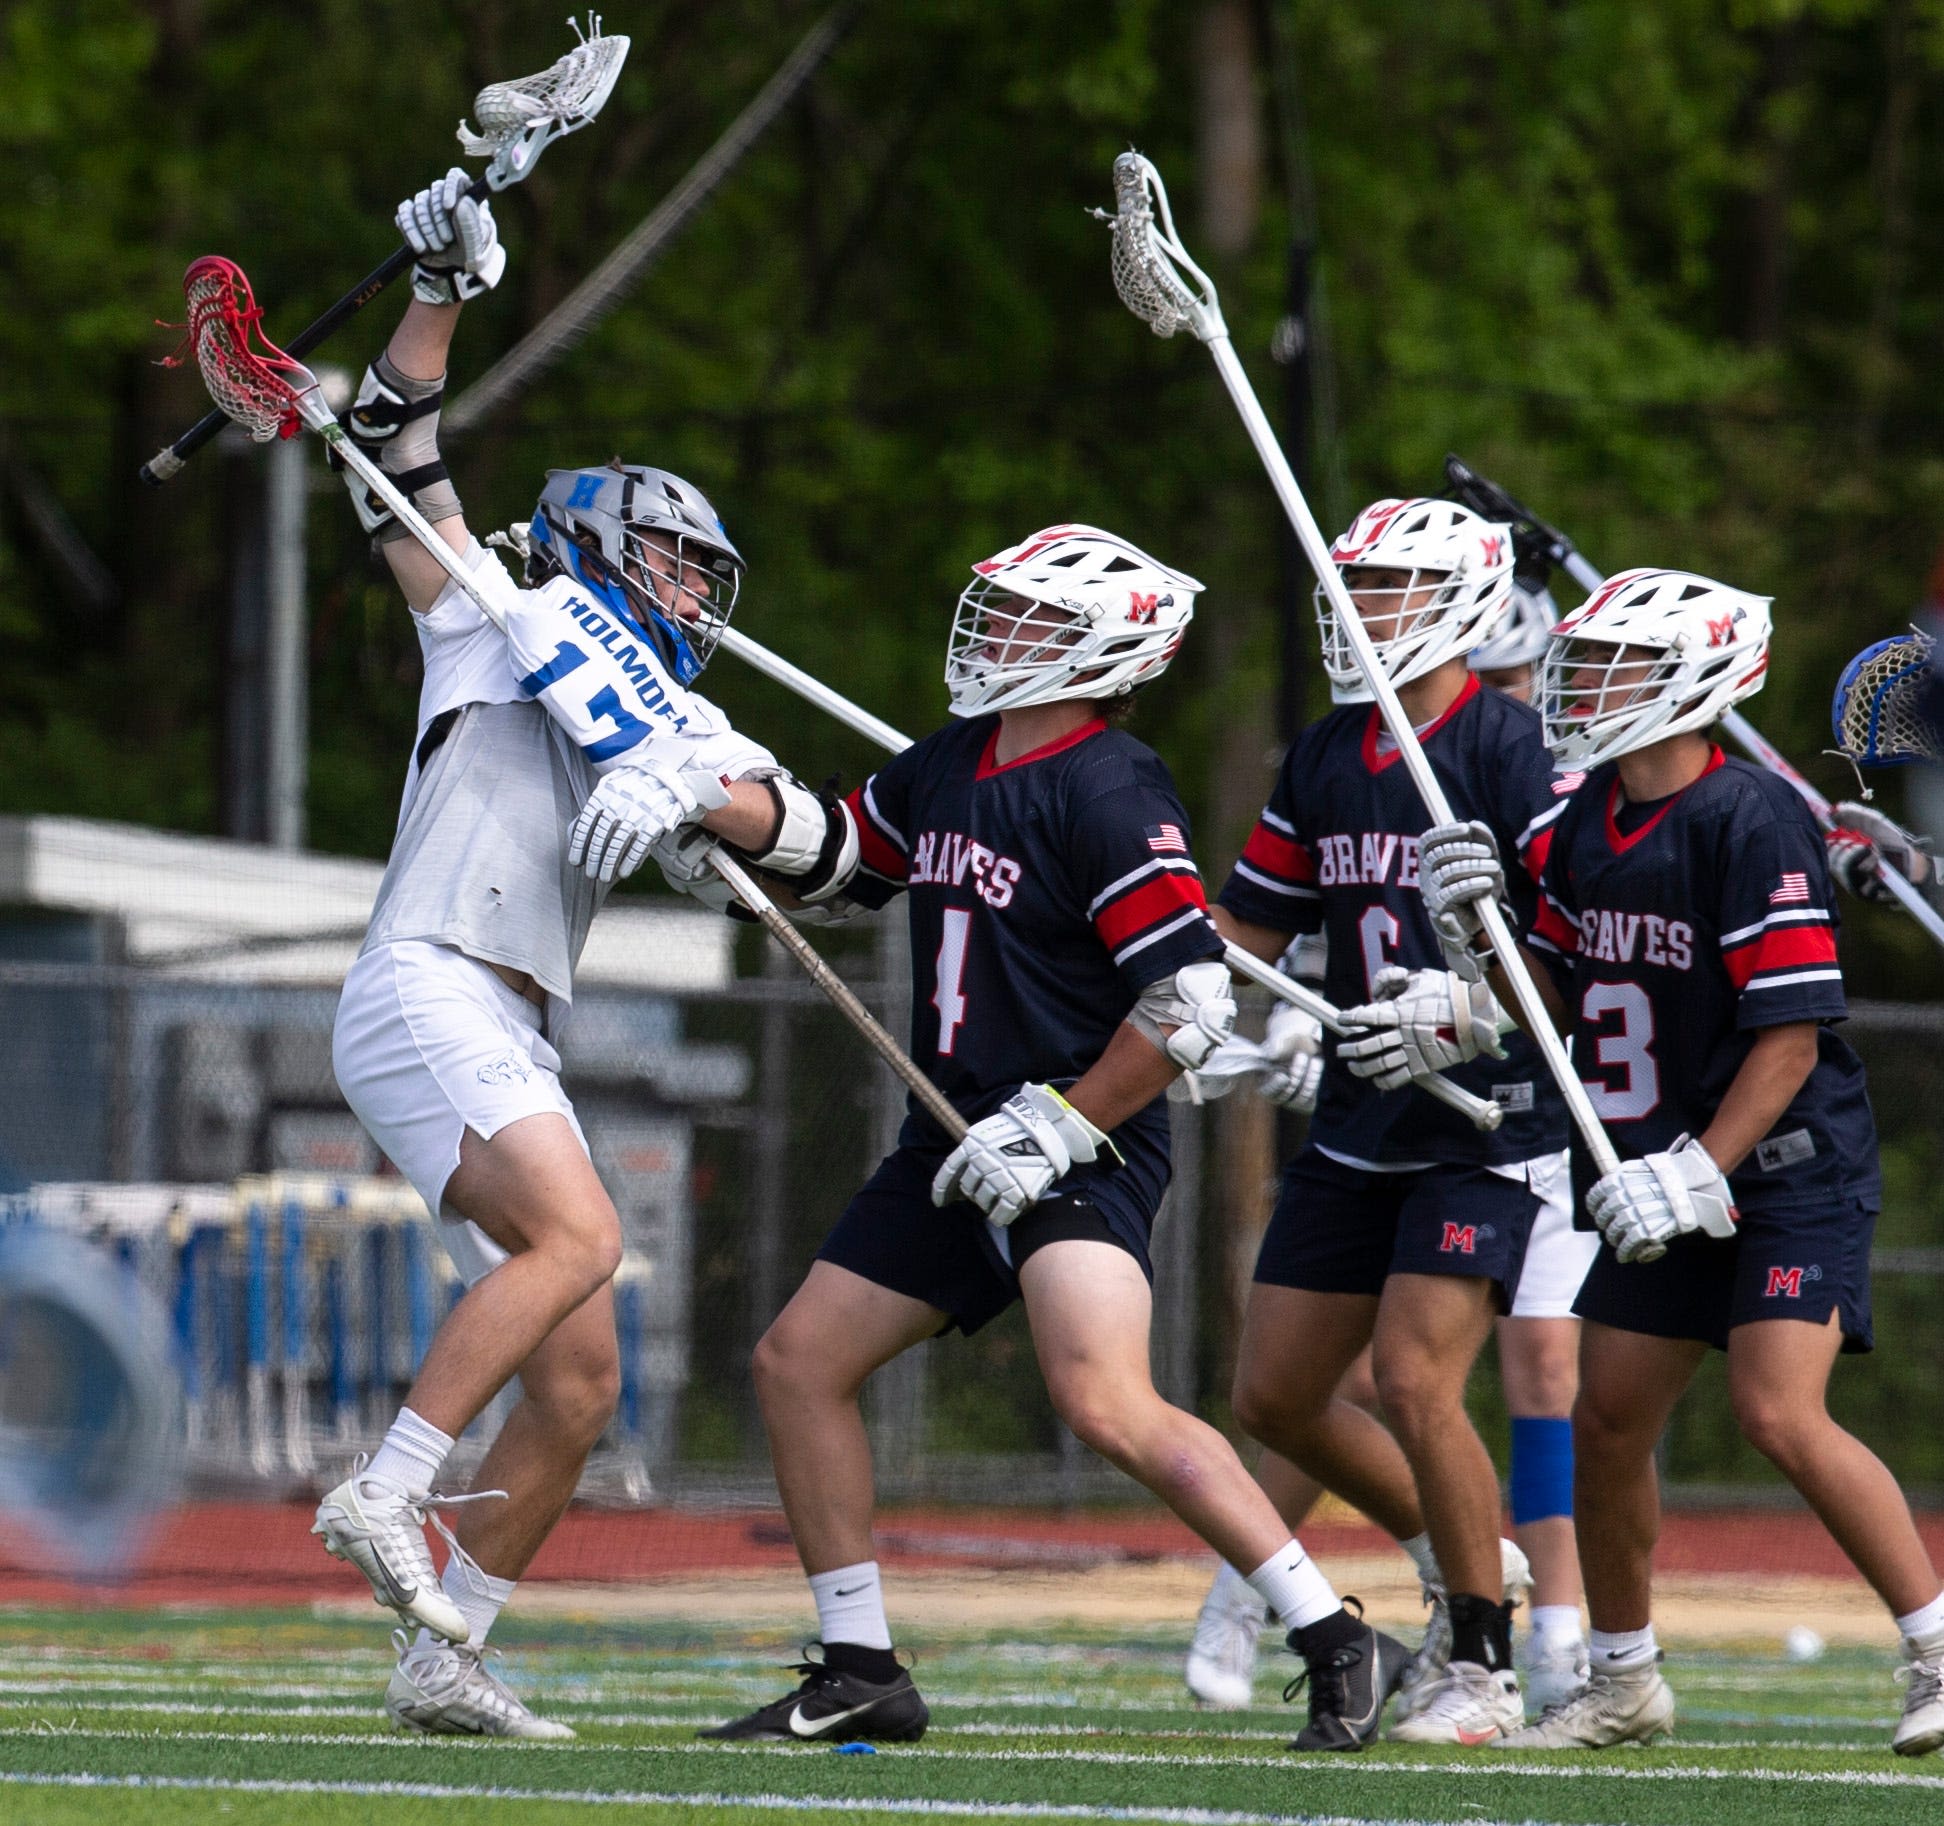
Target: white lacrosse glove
1863,840
1013,1158
633,808
1419,1022
1648,1202
1292,1059
1459,870
456,240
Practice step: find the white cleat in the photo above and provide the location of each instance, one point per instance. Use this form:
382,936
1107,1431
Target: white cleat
381,1531
1515,1580
1552,1669
1463,1704
1632,1706
1222,1658
1921,1729
451,1692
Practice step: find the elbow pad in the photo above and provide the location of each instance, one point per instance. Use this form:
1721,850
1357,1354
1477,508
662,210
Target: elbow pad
1197,1003
395,422
814,847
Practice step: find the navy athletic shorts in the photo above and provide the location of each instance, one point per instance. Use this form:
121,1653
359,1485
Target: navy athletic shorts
1785,1263
1339,1229
892,1234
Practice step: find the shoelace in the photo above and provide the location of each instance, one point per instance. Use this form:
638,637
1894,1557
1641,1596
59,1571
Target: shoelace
1925,1679
466,1662
1325,1682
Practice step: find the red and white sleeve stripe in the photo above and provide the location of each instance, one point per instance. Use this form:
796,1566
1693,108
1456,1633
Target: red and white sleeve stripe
1783,951
882,848
1147,904
1276,859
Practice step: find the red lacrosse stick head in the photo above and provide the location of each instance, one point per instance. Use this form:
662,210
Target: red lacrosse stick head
257,387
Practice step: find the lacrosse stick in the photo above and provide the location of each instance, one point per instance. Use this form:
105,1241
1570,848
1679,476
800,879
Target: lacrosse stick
1534,535
270,395
518,120
1479,1111
1878,713
1163,287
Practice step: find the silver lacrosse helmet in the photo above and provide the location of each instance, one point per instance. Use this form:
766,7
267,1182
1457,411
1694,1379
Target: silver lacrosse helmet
593,525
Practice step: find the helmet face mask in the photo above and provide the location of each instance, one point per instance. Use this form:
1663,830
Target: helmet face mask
1521,636
650,546
1072,612
1651,654
1430,580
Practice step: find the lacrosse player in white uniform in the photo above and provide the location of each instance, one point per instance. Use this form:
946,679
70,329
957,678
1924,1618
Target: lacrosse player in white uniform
526,797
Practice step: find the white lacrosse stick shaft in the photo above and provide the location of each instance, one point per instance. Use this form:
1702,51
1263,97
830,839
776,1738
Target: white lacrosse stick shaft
1758,747
1204,318
1480,1112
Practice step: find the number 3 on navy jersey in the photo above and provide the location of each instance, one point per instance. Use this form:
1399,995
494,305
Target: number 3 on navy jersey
948,974
1629,1050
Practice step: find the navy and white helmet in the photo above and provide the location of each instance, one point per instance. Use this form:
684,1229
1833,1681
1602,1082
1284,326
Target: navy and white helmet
589,526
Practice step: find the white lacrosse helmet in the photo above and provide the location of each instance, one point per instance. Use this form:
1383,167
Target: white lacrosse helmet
1070,612
1520,639
1469,560
1709,649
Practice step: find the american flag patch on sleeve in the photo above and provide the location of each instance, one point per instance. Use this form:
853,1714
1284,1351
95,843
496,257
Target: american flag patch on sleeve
1794,888
1166,839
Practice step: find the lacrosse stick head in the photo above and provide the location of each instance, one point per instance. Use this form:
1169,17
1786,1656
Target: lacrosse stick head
1886,709
1152,271
518,120
258,387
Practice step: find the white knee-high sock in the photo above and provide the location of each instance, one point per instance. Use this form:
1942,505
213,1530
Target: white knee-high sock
850,1605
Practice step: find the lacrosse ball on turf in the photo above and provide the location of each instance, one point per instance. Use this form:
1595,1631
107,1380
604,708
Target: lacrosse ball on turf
855,1749
1802,1644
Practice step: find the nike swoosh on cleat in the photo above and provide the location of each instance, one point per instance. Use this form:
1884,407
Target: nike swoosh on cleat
1472,1739
816,1727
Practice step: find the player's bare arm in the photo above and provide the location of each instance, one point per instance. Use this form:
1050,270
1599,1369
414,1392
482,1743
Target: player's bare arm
1777,1067
1265,942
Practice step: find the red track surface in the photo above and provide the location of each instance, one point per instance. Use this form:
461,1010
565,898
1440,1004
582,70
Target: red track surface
263,1554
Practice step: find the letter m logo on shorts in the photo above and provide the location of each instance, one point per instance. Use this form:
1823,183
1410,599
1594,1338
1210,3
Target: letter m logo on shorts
1786,1282
1461,1237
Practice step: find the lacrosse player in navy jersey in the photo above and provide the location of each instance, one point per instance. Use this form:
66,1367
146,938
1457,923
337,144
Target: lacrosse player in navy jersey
1400,1223
527,794
1065,971
1688,929
1538,1339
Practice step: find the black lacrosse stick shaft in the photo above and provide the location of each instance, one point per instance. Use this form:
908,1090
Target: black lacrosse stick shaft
165,463
1535,544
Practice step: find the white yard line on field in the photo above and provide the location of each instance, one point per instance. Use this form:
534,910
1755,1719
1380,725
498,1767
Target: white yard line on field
766,1803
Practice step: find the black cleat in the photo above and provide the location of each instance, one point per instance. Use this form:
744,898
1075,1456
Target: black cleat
1348,1686
832,1706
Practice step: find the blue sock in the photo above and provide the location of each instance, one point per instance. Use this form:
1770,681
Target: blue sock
1542,1469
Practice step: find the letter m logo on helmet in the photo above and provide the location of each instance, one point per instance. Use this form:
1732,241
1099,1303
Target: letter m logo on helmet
1460,1237
1142,607
1787,1282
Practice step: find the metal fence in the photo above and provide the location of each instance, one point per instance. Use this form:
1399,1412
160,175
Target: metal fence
194,1121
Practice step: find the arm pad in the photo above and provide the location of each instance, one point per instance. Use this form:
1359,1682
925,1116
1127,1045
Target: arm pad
395,422
1197,1003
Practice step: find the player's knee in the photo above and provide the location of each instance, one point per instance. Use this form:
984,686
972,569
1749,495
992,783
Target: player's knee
1418,1396
1359,1385
1263,1410
1604,1423
580,1400
1102,1420
1547,1379
1776,1426
789,1362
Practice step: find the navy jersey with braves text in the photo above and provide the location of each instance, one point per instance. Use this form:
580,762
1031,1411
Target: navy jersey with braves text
1675,943
1046,893
1336,850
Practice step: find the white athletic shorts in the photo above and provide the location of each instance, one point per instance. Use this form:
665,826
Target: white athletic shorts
428,1044
1557,1255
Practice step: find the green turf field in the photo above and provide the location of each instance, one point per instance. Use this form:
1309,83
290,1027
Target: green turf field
272,1717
